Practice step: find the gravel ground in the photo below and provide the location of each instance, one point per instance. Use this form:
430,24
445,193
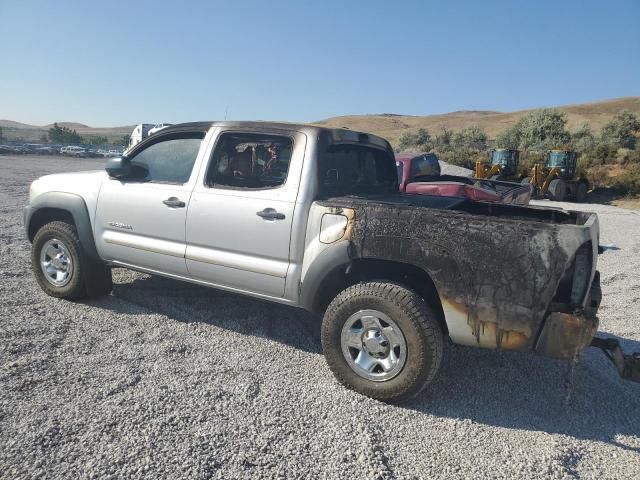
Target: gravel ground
168,380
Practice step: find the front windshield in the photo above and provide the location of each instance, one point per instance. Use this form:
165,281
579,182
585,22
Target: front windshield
557,159
500,157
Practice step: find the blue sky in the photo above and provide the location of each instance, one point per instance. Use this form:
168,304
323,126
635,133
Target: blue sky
107,63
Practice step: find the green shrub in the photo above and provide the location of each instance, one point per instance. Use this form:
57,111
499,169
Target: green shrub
628,182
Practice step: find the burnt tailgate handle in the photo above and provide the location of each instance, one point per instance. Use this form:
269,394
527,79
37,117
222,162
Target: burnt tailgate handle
174,202
270,214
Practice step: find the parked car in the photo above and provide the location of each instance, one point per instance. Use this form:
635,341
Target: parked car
93,153
20,150
421,174
46,151
311,217
74,151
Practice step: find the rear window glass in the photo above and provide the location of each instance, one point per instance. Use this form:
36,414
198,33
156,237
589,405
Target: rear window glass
357,169
424,165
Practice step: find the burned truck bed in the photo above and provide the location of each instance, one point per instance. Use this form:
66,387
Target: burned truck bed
463,204
508,277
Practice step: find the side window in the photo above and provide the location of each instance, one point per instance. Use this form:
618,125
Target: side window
249,160
168,161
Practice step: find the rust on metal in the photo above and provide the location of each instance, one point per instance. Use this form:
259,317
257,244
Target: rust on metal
565,335
474,328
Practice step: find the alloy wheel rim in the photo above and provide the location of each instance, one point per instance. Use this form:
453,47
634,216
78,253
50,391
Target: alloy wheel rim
56,262
373,345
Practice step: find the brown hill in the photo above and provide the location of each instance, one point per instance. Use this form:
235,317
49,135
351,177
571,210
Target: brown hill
12,124
33,133
71,125
391,125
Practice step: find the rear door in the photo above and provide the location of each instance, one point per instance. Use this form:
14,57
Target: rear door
241,212
140,221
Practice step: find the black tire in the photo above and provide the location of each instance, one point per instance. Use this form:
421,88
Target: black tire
88,278
581,191
417,323
557,190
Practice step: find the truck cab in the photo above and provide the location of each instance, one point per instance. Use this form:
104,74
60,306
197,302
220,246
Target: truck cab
564,161
508,160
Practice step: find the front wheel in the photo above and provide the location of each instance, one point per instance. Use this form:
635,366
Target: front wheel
581,192
62,269
382,340
557,190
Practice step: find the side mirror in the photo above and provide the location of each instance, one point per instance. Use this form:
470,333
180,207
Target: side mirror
118,167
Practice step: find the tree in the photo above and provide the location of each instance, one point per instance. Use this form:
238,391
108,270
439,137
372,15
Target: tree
471,138
58,134
582,138
423,139
44,138
509,138
622,130
95,140
122,141
419,140
1,134
443,139
541,129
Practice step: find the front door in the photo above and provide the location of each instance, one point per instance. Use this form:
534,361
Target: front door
140,221
241,213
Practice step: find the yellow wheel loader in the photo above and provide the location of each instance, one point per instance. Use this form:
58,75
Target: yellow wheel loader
559,178
503,165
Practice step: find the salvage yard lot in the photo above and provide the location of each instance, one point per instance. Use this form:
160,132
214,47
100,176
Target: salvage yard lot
166,379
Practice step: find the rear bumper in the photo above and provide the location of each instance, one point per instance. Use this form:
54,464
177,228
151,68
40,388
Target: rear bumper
567,334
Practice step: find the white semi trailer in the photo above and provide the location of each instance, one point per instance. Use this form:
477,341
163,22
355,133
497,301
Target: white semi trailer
143,130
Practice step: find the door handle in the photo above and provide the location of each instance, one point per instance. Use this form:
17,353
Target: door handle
174,202
270,214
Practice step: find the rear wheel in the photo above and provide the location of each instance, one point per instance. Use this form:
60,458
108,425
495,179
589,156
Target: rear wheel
557,189
382,340
581,192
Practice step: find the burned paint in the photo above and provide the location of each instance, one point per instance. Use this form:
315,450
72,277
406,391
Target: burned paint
496,268
346,212
565,335
467,326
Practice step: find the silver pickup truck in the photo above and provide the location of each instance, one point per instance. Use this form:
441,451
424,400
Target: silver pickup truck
311,217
